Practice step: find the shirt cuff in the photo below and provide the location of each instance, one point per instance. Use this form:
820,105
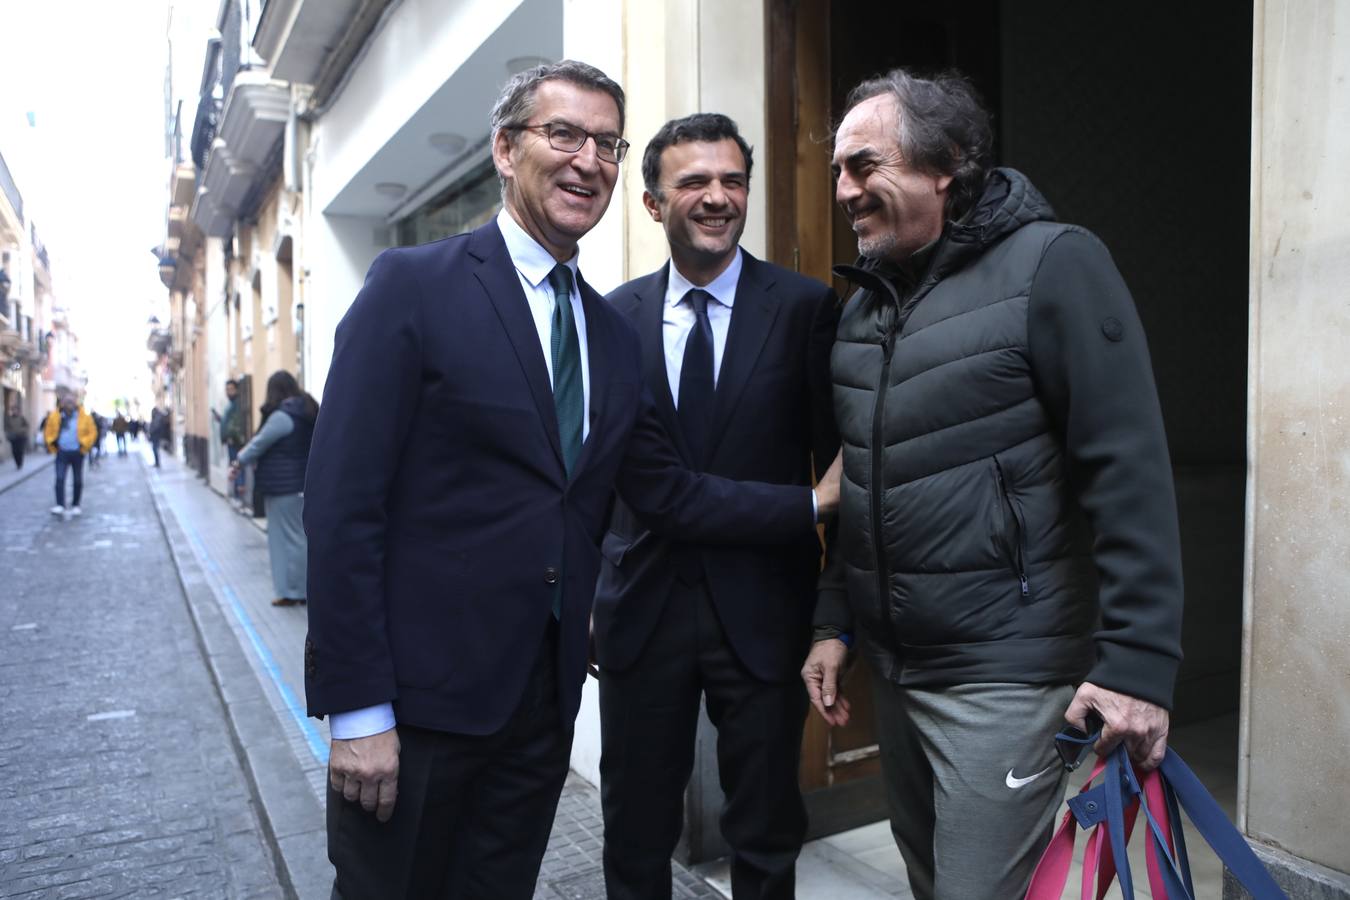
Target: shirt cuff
359,723
815,508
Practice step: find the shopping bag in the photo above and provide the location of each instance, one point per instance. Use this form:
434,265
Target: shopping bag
1112,800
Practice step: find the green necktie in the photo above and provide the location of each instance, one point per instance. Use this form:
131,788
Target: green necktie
568,399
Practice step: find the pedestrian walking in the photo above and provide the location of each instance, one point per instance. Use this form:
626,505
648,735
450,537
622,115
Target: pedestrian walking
16,432
69,433
96,451
232,436
120,427
280,452
157,431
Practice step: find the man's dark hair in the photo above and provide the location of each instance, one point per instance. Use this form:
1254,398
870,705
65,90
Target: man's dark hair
709,127
230,382
515,104
944,129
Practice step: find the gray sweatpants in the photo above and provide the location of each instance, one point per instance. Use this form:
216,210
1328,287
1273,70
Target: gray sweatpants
947,755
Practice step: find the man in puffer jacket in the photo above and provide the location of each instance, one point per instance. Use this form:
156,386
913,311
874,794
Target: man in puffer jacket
1009,543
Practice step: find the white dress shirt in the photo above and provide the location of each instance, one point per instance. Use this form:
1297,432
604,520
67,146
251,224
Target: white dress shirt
533,263
677,319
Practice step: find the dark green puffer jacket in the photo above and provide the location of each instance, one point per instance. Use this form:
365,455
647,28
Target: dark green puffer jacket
1008,512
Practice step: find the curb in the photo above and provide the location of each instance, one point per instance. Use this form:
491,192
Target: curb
34,467
291,817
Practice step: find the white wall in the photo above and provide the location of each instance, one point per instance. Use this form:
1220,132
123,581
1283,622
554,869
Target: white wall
217,349
338,251
420,47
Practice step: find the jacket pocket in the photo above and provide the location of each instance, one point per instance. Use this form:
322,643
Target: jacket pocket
1019,537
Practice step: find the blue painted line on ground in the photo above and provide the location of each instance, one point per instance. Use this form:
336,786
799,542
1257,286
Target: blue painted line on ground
317,746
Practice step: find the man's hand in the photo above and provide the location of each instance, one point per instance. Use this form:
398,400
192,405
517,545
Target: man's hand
234,471
827,489
1140,724
821,674
366,769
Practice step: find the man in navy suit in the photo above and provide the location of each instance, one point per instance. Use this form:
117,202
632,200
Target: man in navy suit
736,354
482,406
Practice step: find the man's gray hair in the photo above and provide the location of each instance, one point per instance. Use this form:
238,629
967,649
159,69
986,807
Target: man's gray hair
944,129
515,104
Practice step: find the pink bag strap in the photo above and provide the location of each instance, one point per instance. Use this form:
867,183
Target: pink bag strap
1052,872
1099,864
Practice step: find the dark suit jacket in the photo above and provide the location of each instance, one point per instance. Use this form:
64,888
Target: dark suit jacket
438,511
772,412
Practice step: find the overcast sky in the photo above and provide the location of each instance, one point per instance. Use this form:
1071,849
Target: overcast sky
92,167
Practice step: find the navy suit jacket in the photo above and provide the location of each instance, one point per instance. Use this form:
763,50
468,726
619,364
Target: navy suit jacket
772,412
437,508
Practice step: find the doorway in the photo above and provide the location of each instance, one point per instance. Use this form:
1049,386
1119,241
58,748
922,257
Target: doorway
1135,126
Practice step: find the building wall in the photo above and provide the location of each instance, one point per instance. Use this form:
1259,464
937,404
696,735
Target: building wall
1297,644
218,339
420,73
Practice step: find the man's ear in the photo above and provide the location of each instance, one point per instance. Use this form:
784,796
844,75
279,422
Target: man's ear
501,153
943,182
653,208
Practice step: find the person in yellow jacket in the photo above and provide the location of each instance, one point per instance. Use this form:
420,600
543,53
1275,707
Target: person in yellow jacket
69,432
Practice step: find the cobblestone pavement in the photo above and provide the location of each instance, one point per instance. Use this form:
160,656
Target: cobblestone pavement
118,771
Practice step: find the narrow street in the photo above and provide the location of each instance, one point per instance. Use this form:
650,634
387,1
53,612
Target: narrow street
155,740
119,774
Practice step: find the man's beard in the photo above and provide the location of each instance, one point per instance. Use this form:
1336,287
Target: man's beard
882,245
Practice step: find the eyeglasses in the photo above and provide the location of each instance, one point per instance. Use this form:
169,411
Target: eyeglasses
571,138
1072,744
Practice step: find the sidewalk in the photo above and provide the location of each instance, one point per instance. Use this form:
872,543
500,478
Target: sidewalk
255,652
33,462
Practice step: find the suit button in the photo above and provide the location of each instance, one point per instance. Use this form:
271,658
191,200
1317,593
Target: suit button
550,575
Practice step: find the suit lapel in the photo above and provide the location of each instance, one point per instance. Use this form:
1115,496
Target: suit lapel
497,274
752,318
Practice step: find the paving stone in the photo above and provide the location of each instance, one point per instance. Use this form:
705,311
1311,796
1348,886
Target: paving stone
147,797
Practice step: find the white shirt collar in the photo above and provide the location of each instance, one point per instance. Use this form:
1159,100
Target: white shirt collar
722,288
528,255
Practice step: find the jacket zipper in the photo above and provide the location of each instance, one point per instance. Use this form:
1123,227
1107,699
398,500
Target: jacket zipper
1020,528
878,416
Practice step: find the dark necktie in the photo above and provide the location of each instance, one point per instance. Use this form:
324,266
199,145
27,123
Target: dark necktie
696,379
568,399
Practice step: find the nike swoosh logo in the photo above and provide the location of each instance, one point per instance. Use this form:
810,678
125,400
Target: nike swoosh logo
1013,782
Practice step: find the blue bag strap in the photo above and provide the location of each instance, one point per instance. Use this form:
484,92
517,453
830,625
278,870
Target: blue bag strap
1116,779
1119,788
1215,828
1178,835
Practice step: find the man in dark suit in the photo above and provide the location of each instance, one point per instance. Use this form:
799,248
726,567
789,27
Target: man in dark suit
736,353
482,405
